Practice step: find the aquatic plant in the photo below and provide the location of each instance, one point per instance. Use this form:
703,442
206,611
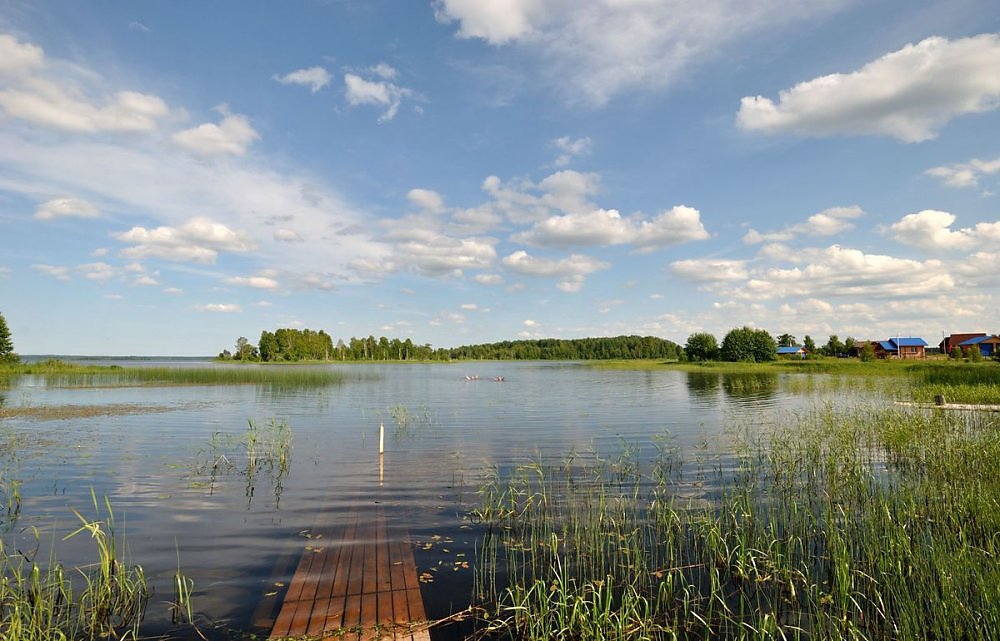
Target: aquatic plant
265,448
862,523
103,600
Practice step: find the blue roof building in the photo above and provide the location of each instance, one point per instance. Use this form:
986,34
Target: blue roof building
902,347
987,345
793,350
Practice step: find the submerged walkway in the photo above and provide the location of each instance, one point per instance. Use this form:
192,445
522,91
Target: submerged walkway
365,584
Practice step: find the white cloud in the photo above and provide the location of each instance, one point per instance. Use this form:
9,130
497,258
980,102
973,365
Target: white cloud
5,272
230,137
965,174
173,291
31,92
488,279
263,303
145,281
258,282
907,94
135,25
530,323
59,273
570,271
314,77
17,57
825,223
706,270
198,240
220,308
426,200
382,93
603,227
66,208
469,307
98,271
931,230
570,149
601,48
436,254
286,236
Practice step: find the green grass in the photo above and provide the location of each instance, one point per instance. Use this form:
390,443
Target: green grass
105,599
57,373
859,524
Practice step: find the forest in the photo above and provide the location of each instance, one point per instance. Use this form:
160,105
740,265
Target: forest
294,345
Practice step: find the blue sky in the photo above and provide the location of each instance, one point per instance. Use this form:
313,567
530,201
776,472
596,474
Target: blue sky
176,175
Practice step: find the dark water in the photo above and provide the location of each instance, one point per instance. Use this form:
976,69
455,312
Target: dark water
238,537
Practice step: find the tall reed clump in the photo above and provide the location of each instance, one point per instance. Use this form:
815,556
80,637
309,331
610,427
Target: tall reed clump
274,376
974,383
263,448
104,600
860,524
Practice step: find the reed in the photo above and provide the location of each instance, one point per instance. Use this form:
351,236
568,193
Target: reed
862,524
262,449
103,600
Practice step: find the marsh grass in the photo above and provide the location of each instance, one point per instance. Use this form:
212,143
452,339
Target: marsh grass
61,374
103,600
262,449
844,524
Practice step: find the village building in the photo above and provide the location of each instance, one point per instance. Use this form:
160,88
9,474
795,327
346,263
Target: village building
793,351
988,346
950,342
901,347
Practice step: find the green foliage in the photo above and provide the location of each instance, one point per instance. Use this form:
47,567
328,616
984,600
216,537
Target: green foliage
749,345
834,347
7,354
956,353
786,340
618,347
702,346
867,352
809,344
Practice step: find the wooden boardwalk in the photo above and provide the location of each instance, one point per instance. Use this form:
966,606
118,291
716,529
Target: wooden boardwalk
365,584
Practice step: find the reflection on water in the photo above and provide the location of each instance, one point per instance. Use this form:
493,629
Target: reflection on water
441,432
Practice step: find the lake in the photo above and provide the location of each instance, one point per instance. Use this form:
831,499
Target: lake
239,536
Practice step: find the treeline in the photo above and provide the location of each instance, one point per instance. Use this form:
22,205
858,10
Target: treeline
616,348
291,345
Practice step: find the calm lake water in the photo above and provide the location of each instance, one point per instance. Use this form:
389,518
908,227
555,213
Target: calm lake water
239,538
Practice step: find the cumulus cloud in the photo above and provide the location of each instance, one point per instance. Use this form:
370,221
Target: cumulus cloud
570,271
488,279
219,308
314,77
965,174
230,137
66,208
199,240
602,48
931,230
380,92
706,270
604,227
426,200
59,273
287,236
33,94
264,280
173,291
825,223
99,271
569,149
907,94
433,253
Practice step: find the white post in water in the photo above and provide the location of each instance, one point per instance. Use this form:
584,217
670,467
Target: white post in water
381,439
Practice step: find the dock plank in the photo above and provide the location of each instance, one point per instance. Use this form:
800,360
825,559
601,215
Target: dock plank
366,585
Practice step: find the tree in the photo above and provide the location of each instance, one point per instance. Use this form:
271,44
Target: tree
7,354
748,344
833,346
245,351
867,352
956,353
702,346
809,344
786,340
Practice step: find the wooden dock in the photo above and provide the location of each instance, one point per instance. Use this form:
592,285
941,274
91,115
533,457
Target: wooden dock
363,587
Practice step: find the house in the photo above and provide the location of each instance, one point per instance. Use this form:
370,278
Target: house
902,347
987,345
793,351
950,342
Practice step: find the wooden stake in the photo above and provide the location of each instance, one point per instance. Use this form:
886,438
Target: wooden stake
381,439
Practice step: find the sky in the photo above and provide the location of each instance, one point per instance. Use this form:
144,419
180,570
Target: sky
175,175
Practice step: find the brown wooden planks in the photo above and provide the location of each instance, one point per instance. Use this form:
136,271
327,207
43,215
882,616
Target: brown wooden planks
368,584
